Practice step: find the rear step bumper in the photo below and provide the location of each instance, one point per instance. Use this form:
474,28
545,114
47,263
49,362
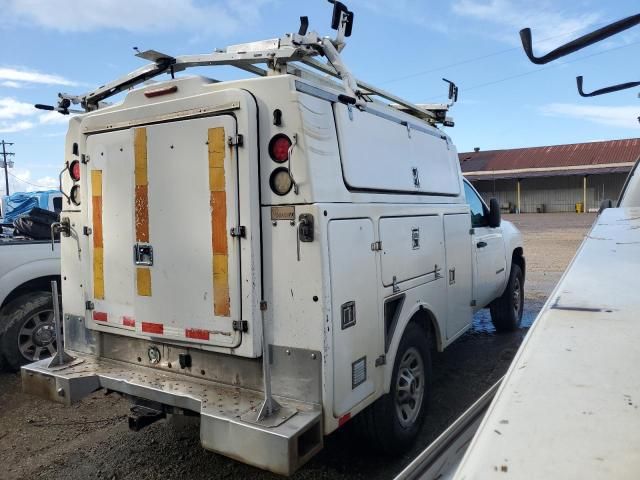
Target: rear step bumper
227,413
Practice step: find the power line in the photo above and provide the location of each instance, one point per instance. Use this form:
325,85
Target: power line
531,72
475,59
29,183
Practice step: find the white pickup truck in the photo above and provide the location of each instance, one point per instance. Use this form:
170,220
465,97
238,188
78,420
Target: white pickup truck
27,268
330,243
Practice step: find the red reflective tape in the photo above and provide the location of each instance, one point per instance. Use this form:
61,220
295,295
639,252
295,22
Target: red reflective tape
344,419
197,333
128,321
99,316
152,328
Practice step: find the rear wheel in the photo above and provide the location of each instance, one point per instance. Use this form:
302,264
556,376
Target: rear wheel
506,311
29,330
393,422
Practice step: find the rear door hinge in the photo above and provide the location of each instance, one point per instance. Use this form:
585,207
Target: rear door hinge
235,140
381,360
88,305
376,246
239,231
241,325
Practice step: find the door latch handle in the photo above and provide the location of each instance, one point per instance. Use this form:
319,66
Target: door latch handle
481,244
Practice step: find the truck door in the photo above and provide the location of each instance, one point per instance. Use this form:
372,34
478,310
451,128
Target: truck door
163,200
458,273
357,326
488,251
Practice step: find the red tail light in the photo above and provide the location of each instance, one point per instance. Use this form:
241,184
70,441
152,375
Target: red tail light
74,170
279,147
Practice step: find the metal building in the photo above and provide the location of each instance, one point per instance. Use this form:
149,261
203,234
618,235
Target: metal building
558,178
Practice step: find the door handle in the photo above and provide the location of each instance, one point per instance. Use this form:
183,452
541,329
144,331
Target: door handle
481,244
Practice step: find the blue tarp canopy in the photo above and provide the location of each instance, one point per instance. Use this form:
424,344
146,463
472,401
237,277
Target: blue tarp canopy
21,203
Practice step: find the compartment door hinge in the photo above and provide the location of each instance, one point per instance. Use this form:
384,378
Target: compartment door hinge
241,326
376,246
239,231
235,140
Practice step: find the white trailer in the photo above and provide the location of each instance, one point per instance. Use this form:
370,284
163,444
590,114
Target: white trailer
327,241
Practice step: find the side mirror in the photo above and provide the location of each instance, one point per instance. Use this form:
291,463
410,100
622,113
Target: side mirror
494,213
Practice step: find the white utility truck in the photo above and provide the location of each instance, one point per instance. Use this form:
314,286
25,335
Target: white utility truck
328,241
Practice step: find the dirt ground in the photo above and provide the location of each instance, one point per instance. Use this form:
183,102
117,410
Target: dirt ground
92,440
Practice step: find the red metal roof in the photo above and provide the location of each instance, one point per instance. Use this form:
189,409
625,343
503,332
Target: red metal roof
575,154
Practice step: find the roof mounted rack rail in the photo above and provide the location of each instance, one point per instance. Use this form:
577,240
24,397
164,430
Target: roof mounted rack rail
275,53
580,43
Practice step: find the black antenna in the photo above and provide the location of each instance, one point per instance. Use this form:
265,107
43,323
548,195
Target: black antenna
578,43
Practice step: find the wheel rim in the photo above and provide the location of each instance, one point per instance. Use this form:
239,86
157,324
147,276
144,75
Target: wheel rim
517,294
36,338
409,387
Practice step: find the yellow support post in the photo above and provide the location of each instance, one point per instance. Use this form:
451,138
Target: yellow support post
584,194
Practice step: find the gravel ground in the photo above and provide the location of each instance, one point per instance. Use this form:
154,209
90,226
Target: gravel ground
91,439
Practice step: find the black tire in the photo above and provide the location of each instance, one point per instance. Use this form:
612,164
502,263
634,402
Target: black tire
506,311
32,311
381,422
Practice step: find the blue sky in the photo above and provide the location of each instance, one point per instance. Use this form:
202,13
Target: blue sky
404,46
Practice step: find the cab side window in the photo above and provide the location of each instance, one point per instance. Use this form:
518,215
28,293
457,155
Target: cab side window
478,217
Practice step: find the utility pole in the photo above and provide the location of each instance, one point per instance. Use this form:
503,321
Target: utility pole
5,164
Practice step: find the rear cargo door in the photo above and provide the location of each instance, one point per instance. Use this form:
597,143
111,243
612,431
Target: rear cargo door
163,200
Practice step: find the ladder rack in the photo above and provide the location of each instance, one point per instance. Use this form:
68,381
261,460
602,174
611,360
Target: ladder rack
276,54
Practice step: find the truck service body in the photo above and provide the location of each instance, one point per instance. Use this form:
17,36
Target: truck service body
208,211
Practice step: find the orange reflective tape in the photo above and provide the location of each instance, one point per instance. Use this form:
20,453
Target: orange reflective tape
218,205
142,213
141,205
143,281
142,184
221,300
98,242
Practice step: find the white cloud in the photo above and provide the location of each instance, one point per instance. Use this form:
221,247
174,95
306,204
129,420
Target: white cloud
221,16
54,118
548,23
11,84
22,180
15,77
12,127
417,12
11,108
624,117
16,116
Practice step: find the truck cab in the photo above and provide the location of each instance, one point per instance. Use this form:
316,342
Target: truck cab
327,242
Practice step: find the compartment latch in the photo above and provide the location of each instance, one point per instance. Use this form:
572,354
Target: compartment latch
143,254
